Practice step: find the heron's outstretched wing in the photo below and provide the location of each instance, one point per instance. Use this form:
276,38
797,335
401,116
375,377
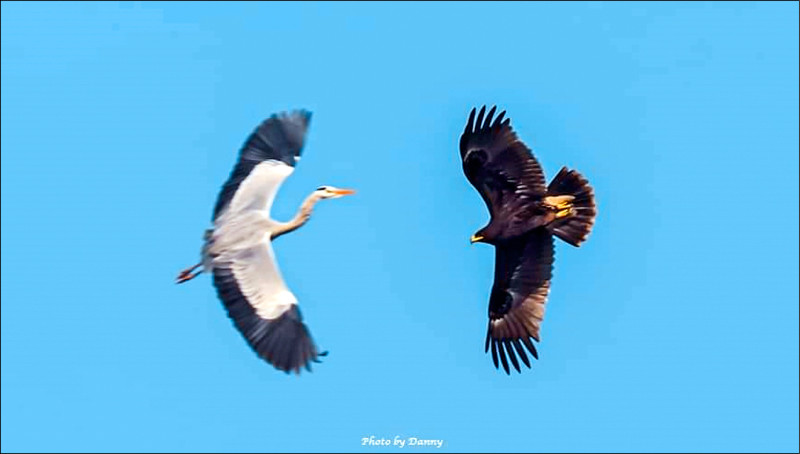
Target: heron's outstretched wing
262,308
268,156
497,163
523,269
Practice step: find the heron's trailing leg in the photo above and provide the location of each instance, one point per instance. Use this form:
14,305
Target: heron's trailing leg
187,275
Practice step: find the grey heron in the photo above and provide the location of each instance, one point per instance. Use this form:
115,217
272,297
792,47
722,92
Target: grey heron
525,214
237,250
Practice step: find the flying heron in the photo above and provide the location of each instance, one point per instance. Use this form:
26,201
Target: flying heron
525,214
238,248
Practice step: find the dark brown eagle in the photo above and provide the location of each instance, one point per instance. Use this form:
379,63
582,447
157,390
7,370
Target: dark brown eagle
525,214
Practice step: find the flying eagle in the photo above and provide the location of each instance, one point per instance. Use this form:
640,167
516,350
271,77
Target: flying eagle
238,248
525,214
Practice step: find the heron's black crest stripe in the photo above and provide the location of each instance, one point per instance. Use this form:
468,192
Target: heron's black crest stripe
279,138
283,342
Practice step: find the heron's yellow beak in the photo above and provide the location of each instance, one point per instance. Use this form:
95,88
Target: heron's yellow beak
343,191
475,238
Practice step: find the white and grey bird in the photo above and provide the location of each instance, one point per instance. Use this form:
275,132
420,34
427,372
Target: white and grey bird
238,248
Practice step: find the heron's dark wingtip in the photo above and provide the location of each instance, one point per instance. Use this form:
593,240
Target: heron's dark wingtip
280,137
283,341
304,114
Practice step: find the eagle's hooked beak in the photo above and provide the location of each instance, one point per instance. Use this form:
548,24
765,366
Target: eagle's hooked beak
475,238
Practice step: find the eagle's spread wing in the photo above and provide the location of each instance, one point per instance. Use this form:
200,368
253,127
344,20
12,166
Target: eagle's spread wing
267,157
497,163
523,269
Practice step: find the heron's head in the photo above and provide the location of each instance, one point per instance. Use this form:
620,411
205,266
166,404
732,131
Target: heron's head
330,192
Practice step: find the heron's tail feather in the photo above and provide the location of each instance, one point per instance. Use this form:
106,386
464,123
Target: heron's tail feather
571,193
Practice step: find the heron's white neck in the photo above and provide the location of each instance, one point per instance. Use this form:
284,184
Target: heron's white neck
302,216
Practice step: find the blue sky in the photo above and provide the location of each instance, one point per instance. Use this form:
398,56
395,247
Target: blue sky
674,328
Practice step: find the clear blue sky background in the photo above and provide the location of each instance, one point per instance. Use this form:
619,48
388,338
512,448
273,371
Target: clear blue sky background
674,328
